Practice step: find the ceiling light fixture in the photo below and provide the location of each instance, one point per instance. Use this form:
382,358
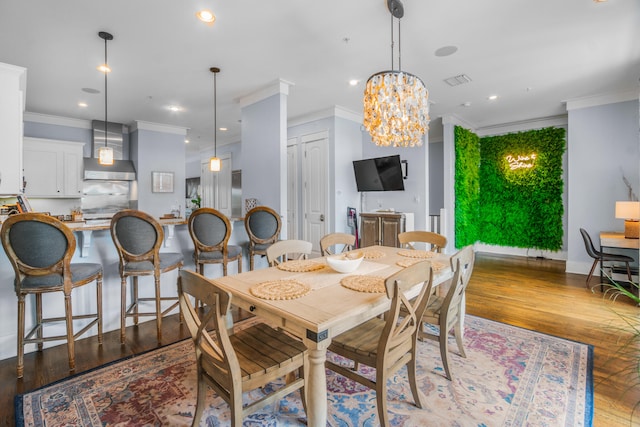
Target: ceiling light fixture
105,154
396,108
206,16
492,97
214,162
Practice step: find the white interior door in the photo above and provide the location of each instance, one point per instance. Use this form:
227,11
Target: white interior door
292,188
316,186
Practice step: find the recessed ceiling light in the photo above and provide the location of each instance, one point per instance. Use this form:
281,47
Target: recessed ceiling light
492,97
466,104
186,141
223,129
354,82
446,51
206,15
104,68
175,108
82,104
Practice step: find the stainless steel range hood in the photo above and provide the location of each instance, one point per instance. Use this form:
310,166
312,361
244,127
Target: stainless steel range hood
122,170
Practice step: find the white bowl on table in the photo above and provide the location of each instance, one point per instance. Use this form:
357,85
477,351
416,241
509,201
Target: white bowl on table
345,263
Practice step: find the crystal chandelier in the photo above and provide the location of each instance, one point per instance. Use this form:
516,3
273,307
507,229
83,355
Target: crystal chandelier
396,108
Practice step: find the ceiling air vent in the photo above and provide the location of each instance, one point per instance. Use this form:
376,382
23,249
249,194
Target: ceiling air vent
457,80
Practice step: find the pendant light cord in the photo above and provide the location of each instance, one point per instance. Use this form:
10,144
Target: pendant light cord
215,117
105,91
393,44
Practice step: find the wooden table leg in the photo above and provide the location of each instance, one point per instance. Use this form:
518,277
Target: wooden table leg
316,386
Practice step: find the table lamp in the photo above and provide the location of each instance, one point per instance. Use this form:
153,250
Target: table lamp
630,212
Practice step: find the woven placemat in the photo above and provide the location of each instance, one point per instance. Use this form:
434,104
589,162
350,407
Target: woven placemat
280,289
436,265
371,284
300,266
416,253
373,254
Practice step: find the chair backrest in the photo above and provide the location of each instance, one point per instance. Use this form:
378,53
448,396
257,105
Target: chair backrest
436,242
137,236
462,265
281,250
400,334
328,241
214,352
210,230
41,246
263,225
588,244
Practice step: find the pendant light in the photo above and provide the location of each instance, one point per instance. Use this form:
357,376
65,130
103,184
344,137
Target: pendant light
214,163
396,108
105,154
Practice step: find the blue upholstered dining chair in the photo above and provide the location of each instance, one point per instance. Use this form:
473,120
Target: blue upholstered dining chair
138,238
40,249
263,228
210,231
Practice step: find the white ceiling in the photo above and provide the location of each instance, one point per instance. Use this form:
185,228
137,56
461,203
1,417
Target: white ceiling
534,55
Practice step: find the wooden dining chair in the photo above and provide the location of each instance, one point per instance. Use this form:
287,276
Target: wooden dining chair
138,237
390,344
210,231
263,226
40,248
334,243
447,311
434,241
245,360
285,250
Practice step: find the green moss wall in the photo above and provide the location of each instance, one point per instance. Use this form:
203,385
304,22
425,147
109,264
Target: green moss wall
517,200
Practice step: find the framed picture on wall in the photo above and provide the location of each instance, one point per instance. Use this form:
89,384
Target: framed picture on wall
162,182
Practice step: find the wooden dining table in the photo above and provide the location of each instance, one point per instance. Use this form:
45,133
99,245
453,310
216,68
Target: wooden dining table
327,310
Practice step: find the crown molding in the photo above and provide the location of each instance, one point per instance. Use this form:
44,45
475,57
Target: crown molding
523,125
56,120
279,86
603,99
455,120
335,111
157,127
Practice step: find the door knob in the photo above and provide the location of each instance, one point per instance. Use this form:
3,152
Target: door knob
321,217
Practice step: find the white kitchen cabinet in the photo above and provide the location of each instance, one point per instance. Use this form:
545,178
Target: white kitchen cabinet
13,82
52,168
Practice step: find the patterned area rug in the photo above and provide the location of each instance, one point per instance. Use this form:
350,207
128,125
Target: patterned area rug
511,377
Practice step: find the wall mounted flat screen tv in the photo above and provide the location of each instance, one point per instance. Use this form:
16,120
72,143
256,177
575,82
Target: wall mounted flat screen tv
379,174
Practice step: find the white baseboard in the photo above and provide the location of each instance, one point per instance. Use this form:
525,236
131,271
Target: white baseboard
533,253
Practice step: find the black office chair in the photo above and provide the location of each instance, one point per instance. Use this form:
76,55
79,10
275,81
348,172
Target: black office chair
602,257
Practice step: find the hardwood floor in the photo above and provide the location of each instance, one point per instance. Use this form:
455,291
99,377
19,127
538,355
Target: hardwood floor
526,292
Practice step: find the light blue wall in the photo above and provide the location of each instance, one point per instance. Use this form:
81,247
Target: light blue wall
153,151
414,198
602,145
61,133
264,152
347,148
436,177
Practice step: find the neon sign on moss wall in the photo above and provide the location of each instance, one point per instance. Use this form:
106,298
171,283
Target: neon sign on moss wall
521,161
518,199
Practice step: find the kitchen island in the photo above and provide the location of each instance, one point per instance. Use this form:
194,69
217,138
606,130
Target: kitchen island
94,244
